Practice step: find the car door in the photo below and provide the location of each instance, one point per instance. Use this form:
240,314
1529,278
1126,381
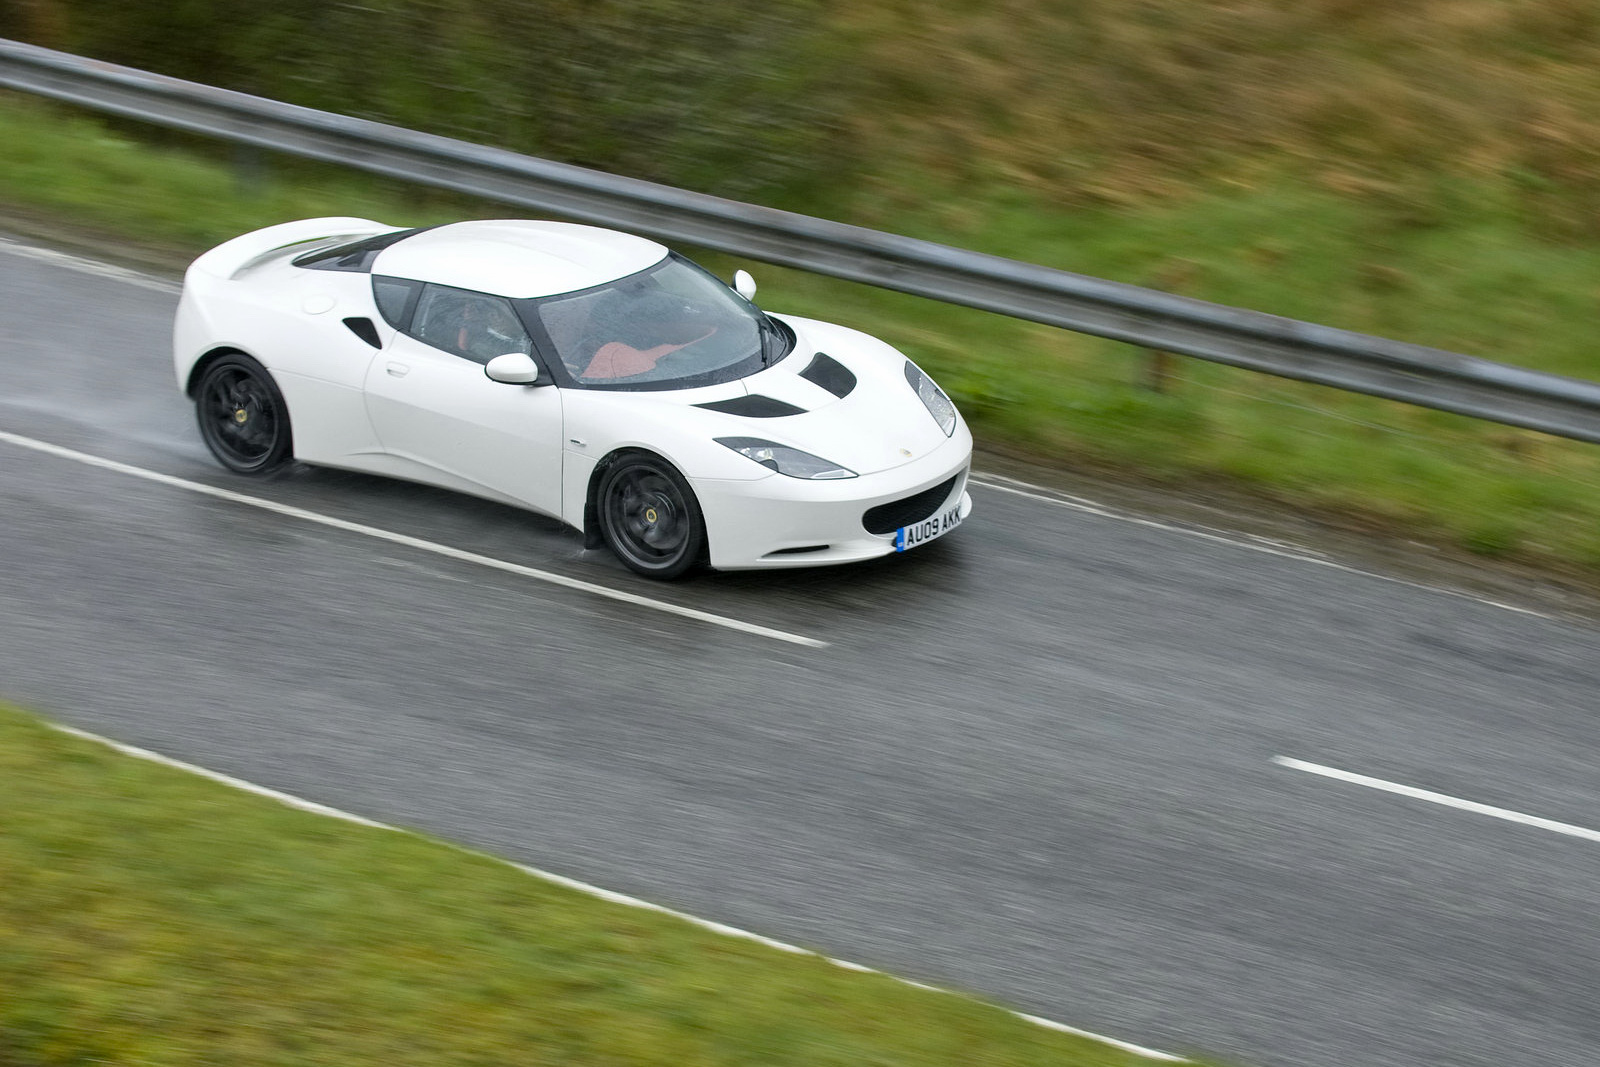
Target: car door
434,408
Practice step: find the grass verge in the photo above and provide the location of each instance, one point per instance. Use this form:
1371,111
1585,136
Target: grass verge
150,916
1469,276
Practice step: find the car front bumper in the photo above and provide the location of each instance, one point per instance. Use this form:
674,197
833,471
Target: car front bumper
793,522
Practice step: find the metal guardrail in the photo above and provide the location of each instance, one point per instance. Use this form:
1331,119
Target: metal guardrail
1428,377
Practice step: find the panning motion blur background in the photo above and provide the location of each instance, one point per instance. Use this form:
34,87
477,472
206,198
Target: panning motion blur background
1427,172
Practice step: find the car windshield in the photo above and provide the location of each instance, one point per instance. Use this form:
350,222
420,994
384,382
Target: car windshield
669,326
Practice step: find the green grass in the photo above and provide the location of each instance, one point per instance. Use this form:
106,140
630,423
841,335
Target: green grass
1459,269
153,917
1068,400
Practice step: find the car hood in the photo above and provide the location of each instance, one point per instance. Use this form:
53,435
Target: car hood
877,424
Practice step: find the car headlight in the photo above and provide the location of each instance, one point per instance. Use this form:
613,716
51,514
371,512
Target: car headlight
933,398
786,460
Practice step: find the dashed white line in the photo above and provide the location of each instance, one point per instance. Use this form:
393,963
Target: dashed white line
1281,549
1439,798
590,890
413,542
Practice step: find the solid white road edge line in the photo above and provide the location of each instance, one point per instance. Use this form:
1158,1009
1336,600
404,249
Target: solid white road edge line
582,887
1438,798
89,266
1284,550
412,542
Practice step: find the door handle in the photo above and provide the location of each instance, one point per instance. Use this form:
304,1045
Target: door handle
397,370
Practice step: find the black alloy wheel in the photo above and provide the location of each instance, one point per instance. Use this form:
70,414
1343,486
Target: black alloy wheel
650,518
242,416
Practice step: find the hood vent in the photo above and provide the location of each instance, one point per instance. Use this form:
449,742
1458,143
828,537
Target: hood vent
830,374
754,407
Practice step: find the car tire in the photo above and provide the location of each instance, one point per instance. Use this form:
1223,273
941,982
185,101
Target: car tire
649,517
243,419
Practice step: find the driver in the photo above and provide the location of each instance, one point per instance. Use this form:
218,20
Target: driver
488,329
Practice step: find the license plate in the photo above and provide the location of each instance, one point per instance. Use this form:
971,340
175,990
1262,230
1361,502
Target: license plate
922,532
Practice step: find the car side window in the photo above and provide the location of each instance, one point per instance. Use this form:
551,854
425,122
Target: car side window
474,326
394,297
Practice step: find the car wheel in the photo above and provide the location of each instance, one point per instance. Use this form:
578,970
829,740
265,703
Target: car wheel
650,518
242,416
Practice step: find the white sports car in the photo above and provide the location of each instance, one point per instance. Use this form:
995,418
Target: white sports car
579,372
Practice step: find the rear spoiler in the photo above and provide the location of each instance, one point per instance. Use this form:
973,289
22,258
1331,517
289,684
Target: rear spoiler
225,260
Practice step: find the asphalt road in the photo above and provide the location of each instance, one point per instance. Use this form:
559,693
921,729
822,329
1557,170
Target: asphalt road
1035,759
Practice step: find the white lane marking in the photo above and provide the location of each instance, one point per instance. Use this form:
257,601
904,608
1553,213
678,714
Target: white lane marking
1282,549
584,887
413,542
88,266
217,776
1439,798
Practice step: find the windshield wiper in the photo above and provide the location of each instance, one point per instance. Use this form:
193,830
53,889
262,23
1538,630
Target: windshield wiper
770,331
766,330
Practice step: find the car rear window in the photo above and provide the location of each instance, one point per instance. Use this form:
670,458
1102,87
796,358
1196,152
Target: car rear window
354,256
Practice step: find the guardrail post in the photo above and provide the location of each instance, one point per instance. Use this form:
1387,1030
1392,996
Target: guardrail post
1174,276
1157,370
249,169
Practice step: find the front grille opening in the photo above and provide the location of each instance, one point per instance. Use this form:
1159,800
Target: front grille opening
798,551
887,518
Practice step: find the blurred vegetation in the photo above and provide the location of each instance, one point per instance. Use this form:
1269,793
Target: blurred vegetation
721,95
1428,171
1122,101
154,917
1074,101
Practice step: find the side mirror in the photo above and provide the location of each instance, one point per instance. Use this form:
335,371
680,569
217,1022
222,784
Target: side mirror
744,285
513,368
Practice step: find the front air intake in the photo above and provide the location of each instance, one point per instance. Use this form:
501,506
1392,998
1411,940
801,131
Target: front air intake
798,550
887,518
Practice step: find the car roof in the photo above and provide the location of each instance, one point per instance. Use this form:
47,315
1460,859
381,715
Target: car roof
518,258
